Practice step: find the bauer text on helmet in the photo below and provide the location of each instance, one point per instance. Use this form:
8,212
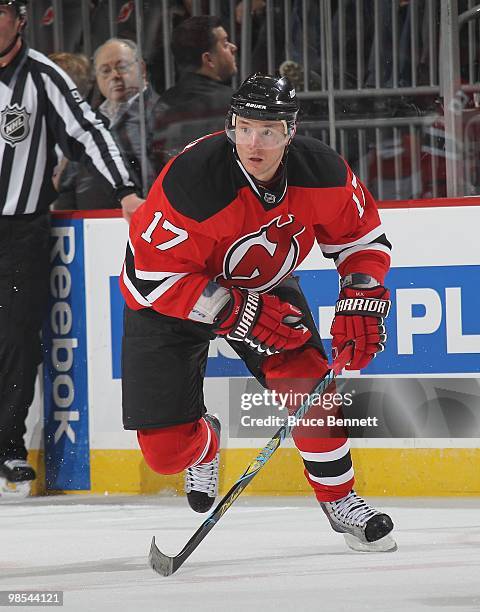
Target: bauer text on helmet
263,98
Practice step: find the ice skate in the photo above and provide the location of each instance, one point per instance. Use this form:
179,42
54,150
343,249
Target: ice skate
16,476
364,528
201,481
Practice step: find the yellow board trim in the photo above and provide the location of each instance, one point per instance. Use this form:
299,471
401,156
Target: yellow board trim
378,472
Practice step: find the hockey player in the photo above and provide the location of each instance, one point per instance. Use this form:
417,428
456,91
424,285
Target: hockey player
39,107
212,252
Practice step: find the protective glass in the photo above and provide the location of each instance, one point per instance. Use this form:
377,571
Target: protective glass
263,136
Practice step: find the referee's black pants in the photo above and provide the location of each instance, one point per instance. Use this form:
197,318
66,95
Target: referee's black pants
24,270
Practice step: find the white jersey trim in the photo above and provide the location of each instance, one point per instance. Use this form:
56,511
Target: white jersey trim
135,294
375,246
153,276
334,248
165,286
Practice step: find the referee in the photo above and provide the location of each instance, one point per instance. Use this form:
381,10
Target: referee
40,108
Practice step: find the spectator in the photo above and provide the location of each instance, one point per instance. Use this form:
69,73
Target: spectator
119,77
41,107
78,68
124,15
198,103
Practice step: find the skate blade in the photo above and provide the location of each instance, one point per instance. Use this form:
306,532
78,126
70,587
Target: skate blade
14,490
385,544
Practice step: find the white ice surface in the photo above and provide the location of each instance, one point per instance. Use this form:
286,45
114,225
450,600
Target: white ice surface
274,554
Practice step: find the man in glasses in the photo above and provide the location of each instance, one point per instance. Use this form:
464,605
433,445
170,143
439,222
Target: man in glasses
121,77
212,254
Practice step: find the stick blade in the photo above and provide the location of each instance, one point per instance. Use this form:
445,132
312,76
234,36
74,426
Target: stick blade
160,563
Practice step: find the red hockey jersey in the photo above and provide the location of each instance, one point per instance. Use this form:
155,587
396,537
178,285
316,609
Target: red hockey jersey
206,219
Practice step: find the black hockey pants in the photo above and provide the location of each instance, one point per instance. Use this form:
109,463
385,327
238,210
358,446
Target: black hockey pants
24,255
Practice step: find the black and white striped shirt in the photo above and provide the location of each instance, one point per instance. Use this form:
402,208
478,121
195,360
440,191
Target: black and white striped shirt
41,107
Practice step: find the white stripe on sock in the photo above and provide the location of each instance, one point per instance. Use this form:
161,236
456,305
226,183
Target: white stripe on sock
207,445
332,455
333,480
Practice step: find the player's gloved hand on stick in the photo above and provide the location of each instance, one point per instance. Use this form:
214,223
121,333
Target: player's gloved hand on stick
262,321
359,316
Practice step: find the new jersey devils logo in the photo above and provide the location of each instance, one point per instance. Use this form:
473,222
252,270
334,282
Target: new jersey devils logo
48,16
125,11
260,260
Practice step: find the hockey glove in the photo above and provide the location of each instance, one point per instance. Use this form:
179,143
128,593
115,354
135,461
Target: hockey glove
359,315
262,321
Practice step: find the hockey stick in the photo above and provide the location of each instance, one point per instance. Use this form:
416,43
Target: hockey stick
165,565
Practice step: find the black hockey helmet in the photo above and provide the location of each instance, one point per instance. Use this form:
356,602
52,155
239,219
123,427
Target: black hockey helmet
264,98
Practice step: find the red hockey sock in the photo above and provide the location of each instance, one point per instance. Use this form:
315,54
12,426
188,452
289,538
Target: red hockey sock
171,450
328,468
325,450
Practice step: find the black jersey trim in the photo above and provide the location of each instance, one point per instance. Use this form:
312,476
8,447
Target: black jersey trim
152,288
311,163
381,239
201,181
143,287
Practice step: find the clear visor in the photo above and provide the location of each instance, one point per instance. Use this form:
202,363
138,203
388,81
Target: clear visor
260,134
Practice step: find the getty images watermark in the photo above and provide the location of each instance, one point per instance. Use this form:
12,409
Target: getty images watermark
376,407
272,400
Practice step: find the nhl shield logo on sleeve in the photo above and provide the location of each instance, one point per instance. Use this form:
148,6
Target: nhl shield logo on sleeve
14,124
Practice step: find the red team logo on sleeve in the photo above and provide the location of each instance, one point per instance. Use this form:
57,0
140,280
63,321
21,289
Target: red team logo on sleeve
260,260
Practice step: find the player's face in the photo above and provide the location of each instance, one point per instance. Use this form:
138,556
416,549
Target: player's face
223,55
260,146
117,72
10,25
